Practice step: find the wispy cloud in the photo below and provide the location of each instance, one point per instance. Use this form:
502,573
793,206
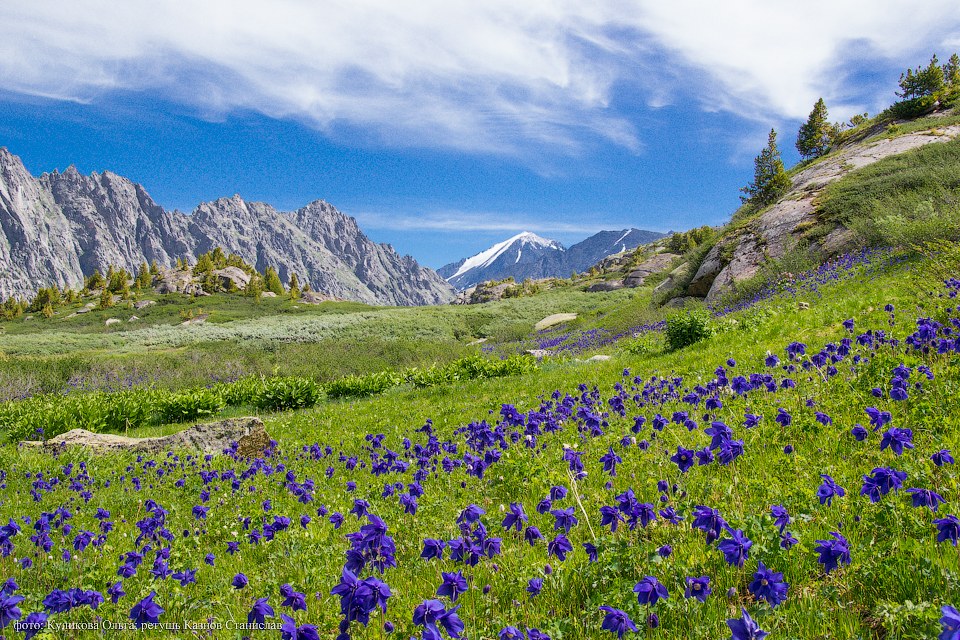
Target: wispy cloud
494,76
465,221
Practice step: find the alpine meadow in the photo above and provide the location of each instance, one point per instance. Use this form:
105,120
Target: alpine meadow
741,430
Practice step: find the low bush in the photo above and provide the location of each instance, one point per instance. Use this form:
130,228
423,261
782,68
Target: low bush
688,327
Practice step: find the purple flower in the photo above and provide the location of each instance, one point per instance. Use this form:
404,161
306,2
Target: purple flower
787,540
926,498
698,588
948,528
8,608
745,628
897,440
146,611
260,611
880,481
709,521
290,631
470,515
950,623
780,516
942,457
515,517
239,581
565,519
534,586
293,599
859,433
115,591
431,613
736,548
432,548
649,590
33,624
510,633
592,551
453,585
769,585
559,547
616,621
833,551
828,489
683,458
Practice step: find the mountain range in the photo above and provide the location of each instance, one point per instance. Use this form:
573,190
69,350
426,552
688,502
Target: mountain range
527,255
61,226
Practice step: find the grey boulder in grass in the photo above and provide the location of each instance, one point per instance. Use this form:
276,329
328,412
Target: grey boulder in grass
211,438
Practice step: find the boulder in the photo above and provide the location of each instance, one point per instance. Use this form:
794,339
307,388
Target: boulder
85,310
598,358
539,354
268,294
707,273
680,302
111,321
198,319
212,438
133,319
315,297
656,264
607,285
232,277
555,319
143,304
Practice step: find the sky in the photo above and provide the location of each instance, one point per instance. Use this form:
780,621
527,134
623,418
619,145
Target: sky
444,126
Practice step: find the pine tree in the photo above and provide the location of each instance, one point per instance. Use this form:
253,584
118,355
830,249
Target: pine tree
272,282
254,288
94,281
294,287
814,136
106,299
918,82
144,279
770,181
951,71
154,268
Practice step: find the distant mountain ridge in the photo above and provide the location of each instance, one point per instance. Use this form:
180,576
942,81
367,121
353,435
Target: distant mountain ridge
60,226
527,255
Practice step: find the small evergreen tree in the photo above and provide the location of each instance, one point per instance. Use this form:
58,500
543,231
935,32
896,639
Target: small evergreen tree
154,269
918,82
106,299
254,288
272,282
294,286
94,281
770,181
814,136
951,71
144,279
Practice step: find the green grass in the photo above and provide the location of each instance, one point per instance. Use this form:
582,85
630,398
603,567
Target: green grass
901,200
893,589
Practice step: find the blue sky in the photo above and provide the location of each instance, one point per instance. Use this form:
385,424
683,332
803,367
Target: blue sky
445,126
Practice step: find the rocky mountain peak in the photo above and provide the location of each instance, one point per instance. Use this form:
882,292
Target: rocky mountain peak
56,228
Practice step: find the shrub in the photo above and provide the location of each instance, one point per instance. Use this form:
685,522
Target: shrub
281,394
688,327
185,406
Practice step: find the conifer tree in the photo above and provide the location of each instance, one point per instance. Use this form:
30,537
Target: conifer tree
770,180
294,286
951,71
154,269
106,299
144,279
254,288
813,138
918,82
94,281
272,282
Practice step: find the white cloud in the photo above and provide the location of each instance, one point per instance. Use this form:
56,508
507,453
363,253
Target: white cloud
492,76
464,221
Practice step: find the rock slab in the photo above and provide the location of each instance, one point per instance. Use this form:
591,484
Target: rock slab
212,438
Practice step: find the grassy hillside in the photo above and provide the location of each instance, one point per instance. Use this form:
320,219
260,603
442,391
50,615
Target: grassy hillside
494,443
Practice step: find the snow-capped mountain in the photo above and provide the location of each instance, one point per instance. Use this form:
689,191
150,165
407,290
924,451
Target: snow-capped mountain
527,255
519,256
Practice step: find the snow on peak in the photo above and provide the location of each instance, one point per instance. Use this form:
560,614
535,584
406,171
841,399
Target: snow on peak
485,258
